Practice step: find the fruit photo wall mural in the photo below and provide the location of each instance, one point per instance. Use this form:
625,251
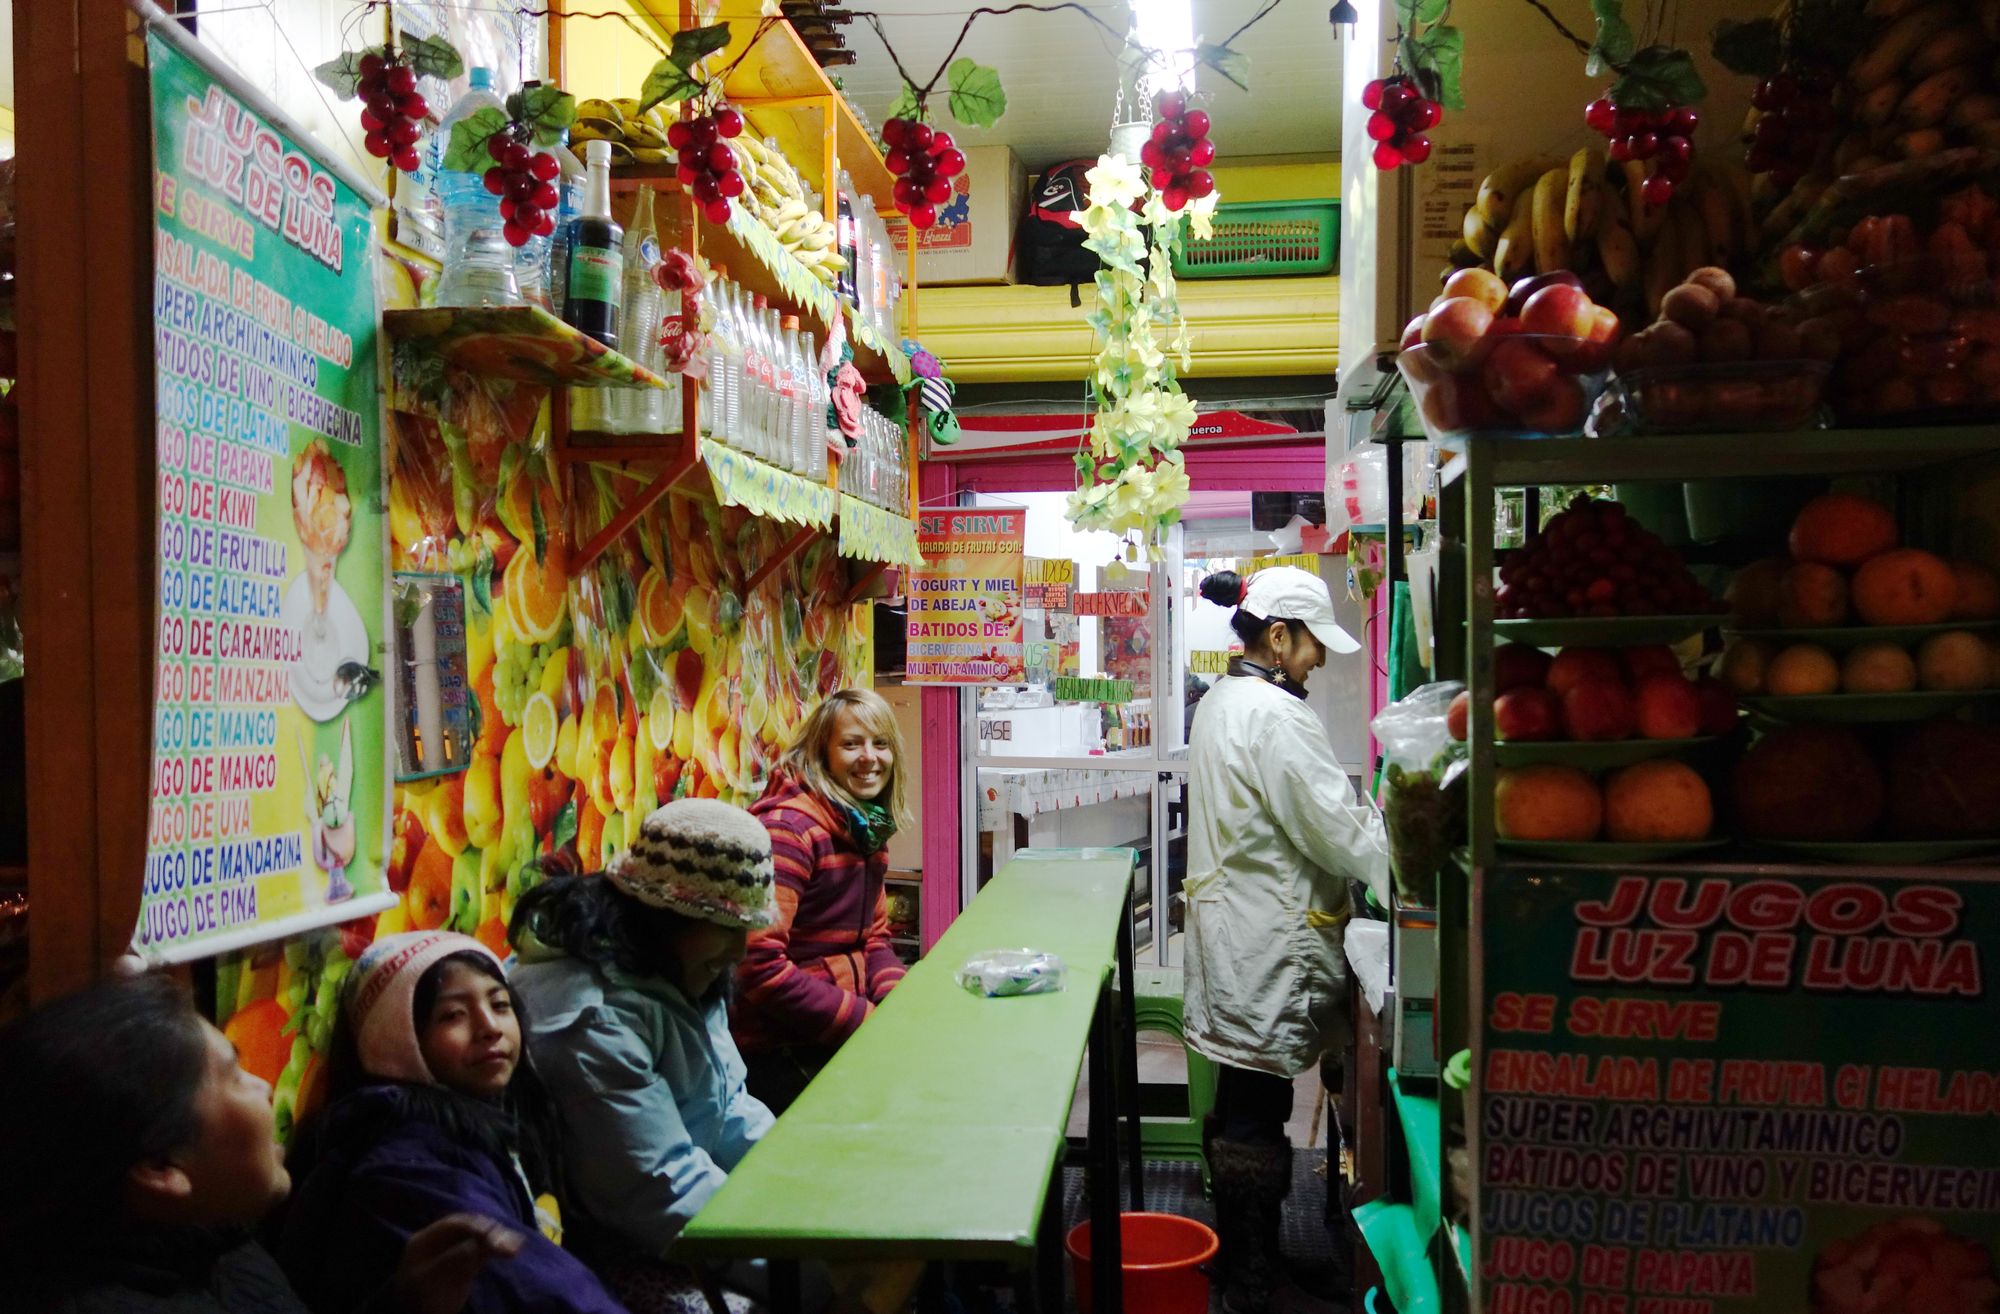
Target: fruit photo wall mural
602,691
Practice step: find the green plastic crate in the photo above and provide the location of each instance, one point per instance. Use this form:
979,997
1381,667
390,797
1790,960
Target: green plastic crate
1264,239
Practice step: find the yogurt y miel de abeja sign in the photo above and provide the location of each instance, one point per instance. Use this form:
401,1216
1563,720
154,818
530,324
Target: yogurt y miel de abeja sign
964,624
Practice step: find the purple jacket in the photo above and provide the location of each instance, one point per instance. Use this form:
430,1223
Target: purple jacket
382,1169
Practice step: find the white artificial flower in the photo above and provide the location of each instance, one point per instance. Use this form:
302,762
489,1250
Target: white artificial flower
1115,180
1201,216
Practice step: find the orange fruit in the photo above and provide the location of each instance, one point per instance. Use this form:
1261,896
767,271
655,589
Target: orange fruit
1802,669
1547,803
1956,660
1878,668
1811,596
493,934
1656,801
1841,529
428,900
537,593
1907,586
258,1032
659,608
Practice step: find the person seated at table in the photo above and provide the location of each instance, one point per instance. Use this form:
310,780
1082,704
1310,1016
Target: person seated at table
626,975
432,1107
138,1155
1274,836
808,980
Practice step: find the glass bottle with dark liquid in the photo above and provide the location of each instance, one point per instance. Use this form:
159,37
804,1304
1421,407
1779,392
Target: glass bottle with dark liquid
596,254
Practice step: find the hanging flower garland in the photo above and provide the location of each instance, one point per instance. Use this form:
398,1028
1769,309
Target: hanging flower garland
1134,481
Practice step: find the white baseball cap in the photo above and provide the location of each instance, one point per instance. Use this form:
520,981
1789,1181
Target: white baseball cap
1288,593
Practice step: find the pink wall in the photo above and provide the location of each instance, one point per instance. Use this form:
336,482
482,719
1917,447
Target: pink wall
1264,468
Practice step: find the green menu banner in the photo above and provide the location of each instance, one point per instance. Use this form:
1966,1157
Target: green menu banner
1718,1093
268,812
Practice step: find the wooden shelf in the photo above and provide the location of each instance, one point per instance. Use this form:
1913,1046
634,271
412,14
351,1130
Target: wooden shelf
514,342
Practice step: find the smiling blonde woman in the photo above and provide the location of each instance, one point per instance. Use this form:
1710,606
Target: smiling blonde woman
806,983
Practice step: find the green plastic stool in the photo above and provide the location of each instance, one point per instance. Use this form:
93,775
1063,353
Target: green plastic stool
1156,1006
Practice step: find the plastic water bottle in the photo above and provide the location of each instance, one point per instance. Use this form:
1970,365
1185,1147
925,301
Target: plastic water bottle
730,307
478,261
555,247
641,410
822,396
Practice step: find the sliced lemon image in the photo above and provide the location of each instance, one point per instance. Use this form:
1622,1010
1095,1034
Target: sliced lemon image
660,720
554,672
540,729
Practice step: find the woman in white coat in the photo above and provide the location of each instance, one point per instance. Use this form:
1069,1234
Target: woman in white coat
1275,836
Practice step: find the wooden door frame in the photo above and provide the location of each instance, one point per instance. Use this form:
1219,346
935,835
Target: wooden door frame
83,261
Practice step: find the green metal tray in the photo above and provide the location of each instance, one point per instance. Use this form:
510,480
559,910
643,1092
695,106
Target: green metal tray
1265,239
1856,709
1853,636
1605,852
1591,755
1602,631
1885,853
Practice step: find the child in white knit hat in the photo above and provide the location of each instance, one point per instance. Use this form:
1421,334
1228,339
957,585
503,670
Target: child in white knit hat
626,976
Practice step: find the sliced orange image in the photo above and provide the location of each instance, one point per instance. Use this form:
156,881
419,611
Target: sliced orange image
660,610
537,593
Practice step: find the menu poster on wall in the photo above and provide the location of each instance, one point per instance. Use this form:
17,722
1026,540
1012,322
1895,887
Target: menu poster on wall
965,602
268,811
1706,1093
1047,582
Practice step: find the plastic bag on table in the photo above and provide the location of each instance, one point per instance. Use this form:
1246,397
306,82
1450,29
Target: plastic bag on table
1423,790
1005,973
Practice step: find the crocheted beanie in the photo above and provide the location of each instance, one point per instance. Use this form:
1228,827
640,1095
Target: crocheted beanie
704,858
381,992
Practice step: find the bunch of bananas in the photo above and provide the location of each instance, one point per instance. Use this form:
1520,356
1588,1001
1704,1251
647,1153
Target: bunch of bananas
635,138
1540,213
775,194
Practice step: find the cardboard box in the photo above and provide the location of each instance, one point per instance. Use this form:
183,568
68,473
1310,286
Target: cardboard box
973,239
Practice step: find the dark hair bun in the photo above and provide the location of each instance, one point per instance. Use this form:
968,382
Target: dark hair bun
1224,588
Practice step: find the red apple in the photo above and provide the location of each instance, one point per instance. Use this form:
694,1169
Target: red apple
1527,714
1718,706
1524,288
1516,665
1599,710
1413,332
1458,716
1559,310
1518,372
1668,708
1558,410
1575,666
1455,326
1652,659
1481,285
1604,326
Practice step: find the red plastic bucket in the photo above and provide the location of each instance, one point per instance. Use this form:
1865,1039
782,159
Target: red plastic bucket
1163,1261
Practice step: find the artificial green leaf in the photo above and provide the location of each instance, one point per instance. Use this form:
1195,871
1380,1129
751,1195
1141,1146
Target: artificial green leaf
667,84
432,57
1421,12
905,105
1755,47
1232,65
1615,41
696,43
541,530
977,99
548,111
1659,77
1084,465
565,827
1439,59
343,75
467,153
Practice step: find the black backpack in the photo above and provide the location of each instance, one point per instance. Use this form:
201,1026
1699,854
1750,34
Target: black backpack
1051,251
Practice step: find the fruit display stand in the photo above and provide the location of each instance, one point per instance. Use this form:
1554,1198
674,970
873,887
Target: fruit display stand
1513,962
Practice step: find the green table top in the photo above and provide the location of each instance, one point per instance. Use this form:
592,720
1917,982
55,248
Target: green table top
934,1131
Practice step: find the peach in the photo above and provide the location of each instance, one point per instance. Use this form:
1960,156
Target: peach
1650,659
1517,374
1978,592
1522,715
1755,591
1558,410
1668,708
1655,802
1599,710
1801,670
1955,661
1718,706
1458,716
1559,310
1811,596
1878,668
1454,327
1905,586
1518,664
1481,285
1716,279
1413,333
1745,664
1574,666
1842,529
1549,803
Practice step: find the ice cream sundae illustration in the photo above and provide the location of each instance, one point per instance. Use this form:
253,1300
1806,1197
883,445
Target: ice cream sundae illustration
329,787
323,516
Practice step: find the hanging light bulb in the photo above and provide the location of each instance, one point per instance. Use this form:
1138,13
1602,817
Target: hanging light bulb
1165,27
1342,15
